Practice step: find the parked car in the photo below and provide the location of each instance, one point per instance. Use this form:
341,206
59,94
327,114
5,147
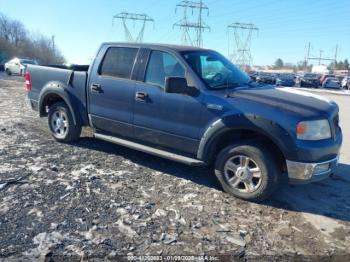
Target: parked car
309,80
265,78
285,80
193,106
324,76
331,82
18,66
345,83
340,78
253,75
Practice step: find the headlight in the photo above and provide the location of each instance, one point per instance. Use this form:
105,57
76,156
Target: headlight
313,130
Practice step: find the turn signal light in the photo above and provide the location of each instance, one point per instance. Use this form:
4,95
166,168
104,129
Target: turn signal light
301,128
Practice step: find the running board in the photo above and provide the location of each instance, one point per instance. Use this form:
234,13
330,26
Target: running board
151,150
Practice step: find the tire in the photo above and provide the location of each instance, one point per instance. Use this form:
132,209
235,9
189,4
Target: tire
61,124
8,72
259,157
348,86
301,84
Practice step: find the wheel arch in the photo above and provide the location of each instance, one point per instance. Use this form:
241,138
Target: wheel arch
219,135
51,94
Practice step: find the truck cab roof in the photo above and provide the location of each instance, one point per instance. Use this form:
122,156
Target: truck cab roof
177,48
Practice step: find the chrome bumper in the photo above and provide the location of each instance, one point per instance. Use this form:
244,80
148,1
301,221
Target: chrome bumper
299,172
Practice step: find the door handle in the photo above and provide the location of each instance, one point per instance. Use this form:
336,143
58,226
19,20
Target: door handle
141,96
96,88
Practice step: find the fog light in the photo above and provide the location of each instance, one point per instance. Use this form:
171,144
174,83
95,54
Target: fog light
321,168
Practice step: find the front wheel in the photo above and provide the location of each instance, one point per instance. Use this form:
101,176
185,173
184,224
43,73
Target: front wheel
8,72
248,171
61,123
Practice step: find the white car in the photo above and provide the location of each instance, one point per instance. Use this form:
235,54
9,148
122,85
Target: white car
345,83
18,66
331,82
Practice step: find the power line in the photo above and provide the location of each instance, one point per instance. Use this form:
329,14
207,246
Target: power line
124,17
320,57
243,35
186,25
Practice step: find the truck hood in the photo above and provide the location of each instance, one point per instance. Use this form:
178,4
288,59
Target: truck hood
293,101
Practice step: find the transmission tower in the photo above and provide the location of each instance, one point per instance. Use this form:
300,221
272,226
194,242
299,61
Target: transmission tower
142,18
198,26
242,34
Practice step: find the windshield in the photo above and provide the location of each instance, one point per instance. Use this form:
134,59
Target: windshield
26,61
310,75
264,74
215,70
286,76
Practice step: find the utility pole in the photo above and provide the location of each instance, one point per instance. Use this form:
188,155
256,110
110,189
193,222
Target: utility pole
124,17
185,25
335,56
243,36
53,42
307,57
320,57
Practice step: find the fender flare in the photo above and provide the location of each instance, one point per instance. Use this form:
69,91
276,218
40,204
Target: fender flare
58,90
267,128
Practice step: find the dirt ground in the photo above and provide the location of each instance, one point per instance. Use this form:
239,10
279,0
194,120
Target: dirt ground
95,200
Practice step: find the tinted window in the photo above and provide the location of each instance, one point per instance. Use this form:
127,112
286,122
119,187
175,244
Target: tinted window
118,62
161,65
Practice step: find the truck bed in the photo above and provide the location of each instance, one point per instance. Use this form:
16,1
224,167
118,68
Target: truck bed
70,79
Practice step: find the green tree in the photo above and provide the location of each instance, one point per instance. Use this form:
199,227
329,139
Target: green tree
346,64
279,63
340,65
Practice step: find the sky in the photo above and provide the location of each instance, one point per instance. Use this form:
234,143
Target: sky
285,26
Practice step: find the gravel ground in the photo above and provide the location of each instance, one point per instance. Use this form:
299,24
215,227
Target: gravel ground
95,200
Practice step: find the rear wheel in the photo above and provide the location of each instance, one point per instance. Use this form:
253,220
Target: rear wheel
247,171
61,123
8,72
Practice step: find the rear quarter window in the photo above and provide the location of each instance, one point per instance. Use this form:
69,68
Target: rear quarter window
118,62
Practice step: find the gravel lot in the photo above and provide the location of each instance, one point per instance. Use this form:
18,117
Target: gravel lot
92,199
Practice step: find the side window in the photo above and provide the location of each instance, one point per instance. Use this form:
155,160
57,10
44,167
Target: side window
161,65
118,62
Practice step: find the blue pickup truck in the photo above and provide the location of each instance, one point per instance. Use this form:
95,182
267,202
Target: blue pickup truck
193,106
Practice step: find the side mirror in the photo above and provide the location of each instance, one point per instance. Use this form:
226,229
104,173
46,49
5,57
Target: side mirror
176,85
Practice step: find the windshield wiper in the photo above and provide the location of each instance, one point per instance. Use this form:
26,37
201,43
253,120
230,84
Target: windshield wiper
226,85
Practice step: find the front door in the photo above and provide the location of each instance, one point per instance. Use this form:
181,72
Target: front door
168,120
111,92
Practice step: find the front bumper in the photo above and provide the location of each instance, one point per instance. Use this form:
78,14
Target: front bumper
299,172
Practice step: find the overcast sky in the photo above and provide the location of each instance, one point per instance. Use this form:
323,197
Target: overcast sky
285,26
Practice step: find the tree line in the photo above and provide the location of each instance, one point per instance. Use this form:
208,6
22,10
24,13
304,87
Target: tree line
340,65
17,41
337,65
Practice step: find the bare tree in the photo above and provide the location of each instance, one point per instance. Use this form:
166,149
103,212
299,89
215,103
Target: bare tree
15,40
17,32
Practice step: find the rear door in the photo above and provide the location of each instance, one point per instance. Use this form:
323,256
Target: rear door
111,91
